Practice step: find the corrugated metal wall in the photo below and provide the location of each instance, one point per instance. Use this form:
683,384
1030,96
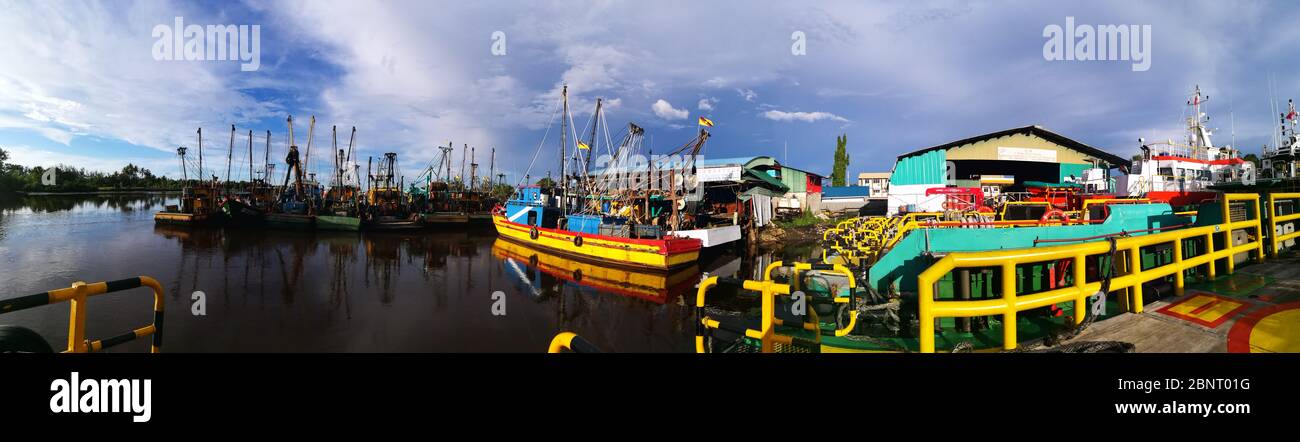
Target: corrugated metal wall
926,168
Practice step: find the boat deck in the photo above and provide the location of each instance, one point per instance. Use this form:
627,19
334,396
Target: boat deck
1257,309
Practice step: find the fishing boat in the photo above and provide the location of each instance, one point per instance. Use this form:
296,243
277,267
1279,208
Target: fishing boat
441,198
1282,160
296,207
386,207
1183,174
199,202
563,222
340,210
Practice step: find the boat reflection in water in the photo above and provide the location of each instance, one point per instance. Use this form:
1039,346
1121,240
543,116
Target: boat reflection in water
657,287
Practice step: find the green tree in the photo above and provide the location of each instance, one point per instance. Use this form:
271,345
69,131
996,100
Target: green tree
4,156
840,174
546,183
1252,158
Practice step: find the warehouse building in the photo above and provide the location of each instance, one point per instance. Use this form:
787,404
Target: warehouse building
997,162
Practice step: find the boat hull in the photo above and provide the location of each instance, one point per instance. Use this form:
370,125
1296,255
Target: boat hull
290,221
1180,199
344,223
444,218
183,219
389,223
656,254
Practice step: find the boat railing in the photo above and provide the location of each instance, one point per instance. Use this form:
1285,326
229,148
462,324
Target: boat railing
766,333
1276,238
571,342
798,269
77,296
1131,276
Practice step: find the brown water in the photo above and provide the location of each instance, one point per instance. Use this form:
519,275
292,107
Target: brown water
289,291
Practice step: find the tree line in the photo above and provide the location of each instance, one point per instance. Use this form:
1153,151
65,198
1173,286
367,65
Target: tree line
18,178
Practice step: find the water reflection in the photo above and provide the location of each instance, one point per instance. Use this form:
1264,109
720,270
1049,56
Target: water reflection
290,291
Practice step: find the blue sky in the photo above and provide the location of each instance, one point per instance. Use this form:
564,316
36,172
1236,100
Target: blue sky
79,86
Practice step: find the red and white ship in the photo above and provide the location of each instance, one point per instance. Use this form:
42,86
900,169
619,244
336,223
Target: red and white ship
1181,174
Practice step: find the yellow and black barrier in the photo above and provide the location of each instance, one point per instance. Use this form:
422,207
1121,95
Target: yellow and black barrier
1276,239
572,342
77,296
1010,303
851,300
766,333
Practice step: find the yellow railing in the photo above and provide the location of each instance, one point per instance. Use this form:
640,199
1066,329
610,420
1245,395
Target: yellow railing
77,295
768,291
1276,238
572,342
795,280
1010,304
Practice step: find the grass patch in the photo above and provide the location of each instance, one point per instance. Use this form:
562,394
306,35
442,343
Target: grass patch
806,219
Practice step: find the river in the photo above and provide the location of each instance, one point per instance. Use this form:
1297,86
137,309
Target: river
264,290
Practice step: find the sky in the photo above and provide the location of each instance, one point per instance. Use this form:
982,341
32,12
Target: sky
80,83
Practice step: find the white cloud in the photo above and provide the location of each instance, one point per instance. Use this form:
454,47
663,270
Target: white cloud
706,104
73,69
664,110
807,117
748,94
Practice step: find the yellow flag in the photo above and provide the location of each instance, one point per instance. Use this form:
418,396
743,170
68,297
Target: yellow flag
582,145
706,122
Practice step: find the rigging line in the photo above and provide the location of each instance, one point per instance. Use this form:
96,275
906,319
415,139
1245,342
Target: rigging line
540,144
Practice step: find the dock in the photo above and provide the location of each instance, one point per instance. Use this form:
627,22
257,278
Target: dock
1229,315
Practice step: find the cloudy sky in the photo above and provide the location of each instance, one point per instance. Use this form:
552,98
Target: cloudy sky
79,83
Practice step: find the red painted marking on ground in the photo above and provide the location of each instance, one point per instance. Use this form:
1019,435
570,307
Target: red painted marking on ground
1239,335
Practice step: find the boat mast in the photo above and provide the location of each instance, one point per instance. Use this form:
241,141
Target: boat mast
181,152
311,135
591,144
564,140
250,161
201,176
338,173
473,169
230,154
266,160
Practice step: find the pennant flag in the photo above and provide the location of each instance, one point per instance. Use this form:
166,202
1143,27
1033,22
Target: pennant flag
706,122
582,145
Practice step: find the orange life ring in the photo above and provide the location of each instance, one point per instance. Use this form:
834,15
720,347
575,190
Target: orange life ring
1047,217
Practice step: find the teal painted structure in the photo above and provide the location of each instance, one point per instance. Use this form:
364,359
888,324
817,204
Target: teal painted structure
900,266
925,168
1068,169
